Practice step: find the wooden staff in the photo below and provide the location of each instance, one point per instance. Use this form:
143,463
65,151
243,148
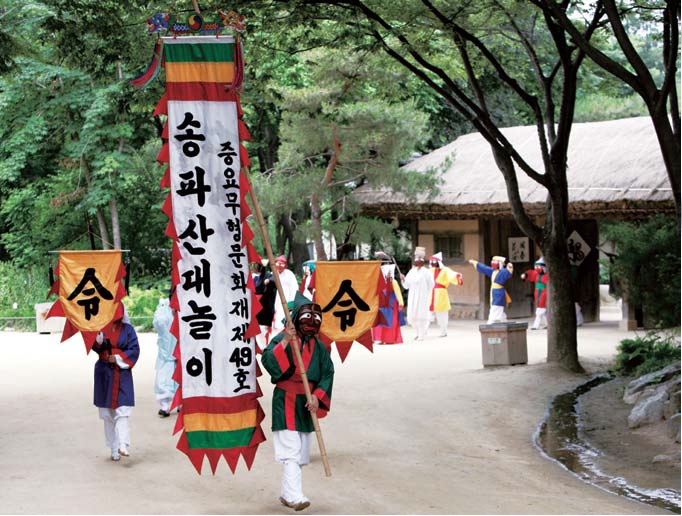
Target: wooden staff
294,345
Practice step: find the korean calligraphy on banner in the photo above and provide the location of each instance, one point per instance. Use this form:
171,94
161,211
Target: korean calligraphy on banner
90,290
348,293
214,292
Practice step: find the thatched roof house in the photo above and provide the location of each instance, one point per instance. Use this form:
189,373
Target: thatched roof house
615,172
615,169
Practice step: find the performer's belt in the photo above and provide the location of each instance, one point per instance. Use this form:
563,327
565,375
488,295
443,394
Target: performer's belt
293,387
439,286
506,294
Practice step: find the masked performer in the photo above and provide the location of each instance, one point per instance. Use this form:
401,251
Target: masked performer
164,385
539,276
114,394
440,300
391,305
419,283
499,275
289,286
292,423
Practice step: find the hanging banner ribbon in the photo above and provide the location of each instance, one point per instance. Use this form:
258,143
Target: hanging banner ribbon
90,290
348,293
214,292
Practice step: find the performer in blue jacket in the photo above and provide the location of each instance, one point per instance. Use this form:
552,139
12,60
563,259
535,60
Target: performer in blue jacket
499,275
114,394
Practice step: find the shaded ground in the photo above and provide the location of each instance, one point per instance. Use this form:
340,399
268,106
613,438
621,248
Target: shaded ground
419,428
627,453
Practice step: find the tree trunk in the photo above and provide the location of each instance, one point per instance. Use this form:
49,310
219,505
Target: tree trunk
101,221
103,231
284,234
115,228
316,222
562,336
670,149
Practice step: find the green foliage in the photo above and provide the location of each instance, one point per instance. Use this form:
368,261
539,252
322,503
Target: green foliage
597,107
141,305
28,287
642,355
25,288
648,266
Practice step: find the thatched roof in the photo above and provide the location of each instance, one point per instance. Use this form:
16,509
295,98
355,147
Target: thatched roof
615,169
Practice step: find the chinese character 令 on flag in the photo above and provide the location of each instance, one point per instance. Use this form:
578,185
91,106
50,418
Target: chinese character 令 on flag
348,293
90,290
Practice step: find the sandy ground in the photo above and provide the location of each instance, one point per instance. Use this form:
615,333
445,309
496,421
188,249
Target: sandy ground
420,428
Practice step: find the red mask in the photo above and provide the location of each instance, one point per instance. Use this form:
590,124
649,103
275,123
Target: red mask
539,269
309,319
419,262
434,264
280,266
495,265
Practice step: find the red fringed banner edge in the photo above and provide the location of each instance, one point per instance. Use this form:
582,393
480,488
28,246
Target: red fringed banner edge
196,456
343,347
70,329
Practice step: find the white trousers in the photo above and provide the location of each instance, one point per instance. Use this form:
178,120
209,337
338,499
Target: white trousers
263,338
164,401
442,320
497,314
579,319
540,314
421,326
292,450
116,428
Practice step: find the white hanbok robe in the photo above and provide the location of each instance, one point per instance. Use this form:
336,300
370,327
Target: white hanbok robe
419,283
290,287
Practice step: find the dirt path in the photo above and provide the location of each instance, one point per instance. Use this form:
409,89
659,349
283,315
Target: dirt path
420,428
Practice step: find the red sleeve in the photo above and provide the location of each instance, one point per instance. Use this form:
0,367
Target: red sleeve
532,275
280,354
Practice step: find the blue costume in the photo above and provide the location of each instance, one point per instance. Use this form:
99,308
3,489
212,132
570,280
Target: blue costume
499,275
164,385
114,393
114,382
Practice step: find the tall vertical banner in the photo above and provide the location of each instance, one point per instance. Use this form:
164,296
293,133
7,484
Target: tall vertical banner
90,288
213,289
348,293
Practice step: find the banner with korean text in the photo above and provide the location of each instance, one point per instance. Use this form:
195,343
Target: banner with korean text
348,293
90,288
213,289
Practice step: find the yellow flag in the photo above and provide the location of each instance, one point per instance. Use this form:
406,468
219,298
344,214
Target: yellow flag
88,287
347,293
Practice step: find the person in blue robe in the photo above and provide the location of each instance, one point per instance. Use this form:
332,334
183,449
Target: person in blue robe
114,394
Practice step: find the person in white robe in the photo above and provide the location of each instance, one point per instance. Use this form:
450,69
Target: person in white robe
289,286
419,284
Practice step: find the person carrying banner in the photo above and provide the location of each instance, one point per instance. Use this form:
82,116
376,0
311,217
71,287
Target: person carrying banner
419,282
391,305
289,286
113,390
267,290
292,424
499,275
539,276
164,385
440,300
